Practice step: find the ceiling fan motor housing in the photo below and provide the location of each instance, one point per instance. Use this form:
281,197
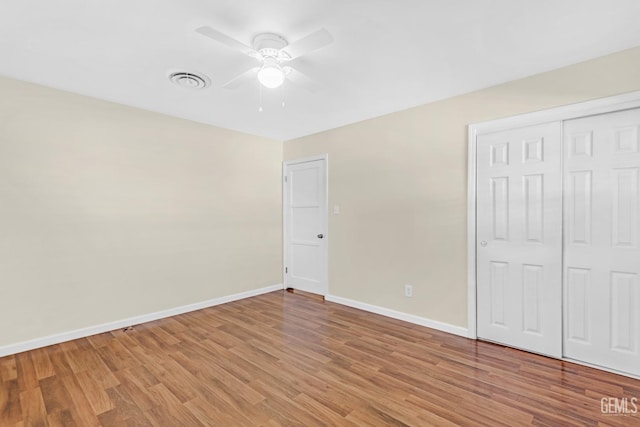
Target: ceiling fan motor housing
269,45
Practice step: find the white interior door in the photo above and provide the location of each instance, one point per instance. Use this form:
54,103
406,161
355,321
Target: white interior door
519,238
602,240
305,225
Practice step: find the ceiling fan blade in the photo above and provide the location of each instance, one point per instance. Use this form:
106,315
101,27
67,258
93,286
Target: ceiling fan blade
226,40
300,79
242,78
313,41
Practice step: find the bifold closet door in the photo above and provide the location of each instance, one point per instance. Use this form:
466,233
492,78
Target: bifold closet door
519,238
602,240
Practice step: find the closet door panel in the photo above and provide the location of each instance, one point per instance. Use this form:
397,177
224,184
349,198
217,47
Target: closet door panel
519,240
601,240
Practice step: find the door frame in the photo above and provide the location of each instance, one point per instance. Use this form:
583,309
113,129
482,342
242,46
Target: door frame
573,111
325,221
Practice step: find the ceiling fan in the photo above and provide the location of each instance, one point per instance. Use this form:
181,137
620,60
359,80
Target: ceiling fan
272,53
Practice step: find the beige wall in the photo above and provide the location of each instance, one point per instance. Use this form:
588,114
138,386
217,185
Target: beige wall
401,182
108,212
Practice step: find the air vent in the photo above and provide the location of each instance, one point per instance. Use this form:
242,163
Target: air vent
189,80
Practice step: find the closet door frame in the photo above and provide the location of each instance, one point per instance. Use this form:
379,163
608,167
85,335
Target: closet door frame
573,111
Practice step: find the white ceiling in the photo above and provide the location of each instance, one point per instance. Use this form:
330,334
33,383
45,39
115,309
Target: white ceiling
388,55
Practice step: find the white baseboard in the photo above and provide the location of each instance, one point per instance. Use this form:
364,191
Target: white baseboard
136,320
422,321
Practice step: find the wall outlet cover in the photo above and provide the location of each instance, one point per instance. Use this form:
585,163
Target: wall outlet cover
408,291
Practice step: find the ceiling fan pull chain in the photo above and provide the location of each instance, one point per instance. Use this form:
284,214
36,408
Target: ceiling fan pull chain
260,91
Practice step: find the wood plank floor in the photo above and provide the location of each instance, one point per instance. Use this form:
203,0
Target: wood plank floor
283,359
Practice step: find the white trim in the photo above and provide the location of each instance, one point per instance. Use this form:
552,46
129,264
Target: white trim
306,159
410,318
471,237
325,224
567,112
136,320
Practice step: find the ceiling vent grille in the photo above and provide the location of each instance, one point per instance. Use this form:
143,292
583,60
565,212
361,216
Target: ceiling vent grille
189,80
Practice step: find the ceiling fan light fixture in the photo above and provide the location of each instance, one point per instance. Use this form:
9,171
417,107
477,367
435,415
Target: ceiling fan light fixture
271,76
271,51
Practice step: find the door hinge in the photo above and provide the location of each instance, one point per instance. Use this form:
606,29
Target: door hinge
285,178
286,270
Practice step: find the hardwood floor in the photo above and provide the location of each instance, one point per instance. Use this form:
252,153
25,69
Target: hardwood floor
283,359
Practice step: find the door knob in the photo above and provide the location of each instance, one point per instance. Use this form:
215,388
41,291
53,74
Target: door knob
483,243
320,236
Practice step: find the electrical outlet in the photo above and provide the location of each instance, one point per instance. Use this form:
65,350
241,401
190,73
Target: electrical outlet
408,291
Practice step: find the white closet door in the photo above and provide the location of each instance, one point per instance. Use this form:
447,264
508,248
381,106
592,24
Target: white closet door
519,238
602,240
